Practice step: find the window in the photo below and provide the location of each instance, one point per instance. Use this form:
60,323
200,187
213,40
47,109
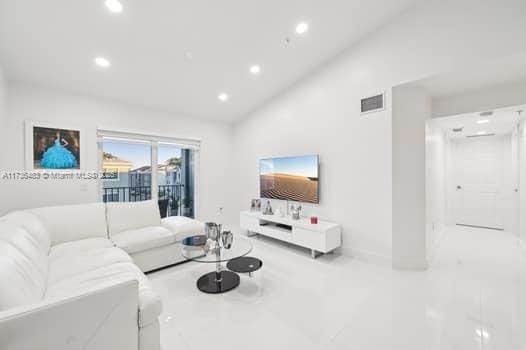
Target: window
133,156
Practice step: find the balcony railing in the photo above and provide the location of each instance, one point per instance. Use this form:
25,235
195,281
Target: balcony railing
142,193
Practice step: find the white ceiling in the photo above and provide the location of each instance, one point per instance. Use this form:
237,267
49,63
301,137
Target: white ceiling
502,122
53,43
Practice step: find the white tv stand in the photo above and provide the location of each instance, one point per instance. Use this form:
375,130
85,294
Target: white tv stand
322,237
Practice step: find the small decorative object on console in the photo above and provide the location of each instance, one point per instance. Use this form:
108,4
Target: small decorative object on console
314,220
295,211
280,212
255,205
268,209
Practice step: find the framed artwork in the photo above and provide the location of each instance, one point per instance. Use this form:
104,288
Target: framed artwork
255,205
53,147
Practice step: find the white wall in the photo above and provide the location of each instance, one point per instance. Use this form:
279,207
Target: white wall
3,111
35,104
3,122
490,98
522,181
411,111
437,146
515,182
320,114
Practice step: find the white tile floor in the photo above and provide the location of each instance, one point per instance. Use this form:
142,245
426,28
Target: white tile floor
472,297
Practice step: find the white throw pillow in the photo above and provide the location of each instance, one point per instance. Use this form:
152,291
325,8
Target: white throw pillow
131,216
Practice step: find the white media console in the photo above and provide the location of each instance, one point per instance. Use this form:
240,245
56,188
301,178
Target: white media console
322,237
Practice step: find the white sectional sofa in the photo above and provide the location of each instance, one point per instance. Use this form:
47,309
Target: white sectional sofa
72,276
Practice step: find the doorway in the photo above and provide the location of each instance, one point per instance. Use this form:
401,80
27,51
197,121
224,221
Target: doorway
481,168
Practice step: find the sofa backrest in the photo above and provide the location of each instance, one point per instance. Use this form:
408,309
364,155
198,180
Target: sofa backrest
33,225
23,267
73,222
134,215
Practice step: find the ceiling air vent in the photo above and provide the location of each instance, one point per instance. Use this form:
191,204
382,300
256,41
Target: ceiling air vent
372,104
457,129
486,114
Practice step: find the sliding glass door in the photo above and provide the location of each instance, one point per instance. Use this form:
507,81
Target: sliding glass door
131,160
175,178
172,183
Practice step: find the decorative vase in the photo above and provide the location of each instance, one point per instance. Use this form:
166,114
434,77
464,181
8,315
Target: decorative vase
227,238
212,230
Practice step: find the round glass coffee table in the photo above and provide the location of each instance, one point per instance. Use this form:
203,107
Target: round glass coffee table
220,280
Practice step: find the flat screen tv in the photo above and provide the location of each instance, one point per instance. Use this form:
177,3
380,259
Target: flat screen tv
290,178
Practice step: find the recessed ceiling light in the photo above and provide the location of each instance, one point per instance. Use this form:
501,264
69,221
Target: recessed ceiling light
481,133
481,333
255,69
223,97
114,6
102,62
483,121
302,28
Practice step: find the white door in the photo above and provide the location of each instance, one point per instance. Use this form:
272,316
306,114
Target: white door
479,170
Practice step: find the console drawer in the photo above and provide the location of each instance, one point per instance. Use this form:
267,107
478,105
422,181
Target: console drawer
309,239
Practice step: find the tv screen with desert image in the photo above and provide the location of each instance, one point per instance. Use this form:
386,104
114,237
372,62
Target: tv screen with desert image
290,178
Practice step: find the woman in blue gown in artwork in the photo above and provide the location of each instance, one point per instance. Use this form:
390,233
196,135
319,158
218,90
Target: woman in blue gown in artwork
58,156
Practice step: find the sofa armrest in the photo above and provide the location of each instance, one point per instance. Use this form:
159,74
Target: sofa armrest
181,225
99,319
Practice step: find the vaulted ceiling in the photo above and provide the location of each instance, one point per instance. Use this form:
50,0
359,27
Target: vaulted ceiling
181,55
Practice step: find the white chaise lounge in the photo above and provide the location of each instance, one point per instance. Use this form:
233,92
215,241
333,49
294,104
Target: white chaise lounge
72,276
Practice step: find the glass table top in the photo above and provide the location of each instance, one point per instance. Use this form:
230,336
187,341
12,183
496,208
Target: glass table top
240,247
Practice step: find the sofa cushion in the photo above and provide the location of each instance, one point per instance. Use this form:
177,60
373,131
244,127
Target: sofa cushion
150,305
72,258
70,249
134,241
73,222
183,227
33,225
23,267
130,216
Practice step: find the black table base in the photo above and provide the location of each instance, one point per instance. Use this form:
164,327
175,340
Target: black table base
218,282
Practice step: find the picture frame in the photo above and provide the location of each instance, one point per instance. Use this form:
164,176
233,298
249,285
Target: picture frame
255,205
54,147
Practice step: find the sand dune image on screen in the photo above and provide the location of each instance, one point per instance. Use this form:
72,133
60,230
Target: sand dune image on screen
292,187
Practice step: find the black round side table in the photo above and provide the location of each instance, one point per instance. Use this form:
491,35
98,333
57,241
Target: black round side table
245,264
220,280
